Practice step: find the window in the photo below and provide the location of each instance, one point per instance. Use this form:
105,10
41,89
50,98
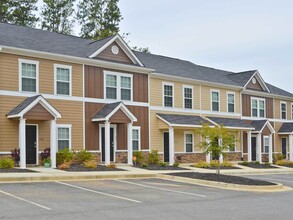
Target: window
231,102
188,142
187,96
64,137
28,75
168,95
283,110
118,86
257,107
136,138
291,111
62,79
266,143
232,147
215,101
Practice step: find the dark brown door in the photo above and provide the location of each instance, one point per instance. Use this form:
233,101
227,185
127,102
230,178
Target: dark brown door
253,148
284,146
111,144
166,147
31,144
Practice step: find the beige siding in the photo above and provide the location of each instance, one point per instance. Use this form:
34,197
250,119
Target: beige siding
10,77
277,137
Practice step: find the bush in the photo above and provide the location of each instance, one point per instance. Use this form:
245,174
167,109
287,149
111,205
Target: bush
176,164
111,166
245,163
154,157
144,165
15,154
227,164
283,162
91,164
83,156
65,165
6,163
280,156
163,164
267,163
201,165
257,162
214,163
64,156
139,157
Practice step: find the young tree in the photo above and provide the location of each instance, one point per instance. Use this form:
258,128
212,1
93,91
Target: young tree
216,140
20,12
98,18
56,16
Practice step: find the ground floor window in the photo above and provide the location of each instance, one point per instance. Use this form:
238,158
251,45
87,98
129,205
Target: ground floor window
266,144
232,147
188,142
136,138
63,137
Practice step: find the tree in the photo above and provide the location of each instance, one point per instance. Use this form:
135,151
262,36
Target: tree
216,140
57,16
98,18
142,49
20,12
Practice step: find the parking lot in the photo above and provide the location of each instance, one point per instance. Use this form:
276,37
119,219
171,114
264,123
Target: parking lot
140,199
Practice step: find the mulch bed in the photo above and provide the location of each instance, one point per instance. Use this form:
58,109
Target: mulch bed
221,168
14,170
258,166
81,168
223,178
159,167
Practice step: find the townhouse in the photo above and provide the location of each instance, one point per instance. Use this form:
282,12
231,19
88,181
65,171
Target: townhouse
59,91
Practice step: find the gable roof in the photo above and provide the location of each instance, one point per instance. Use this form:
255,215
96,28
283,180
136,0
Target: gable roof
182,120
241,78
259,125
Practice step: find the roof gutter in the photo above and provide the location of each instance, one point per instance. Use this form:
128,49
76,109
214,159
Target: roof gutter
73,59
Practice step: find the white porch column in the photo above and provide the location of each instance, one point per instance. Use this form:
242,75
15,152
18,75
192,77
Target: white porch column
248,146
129,140
171,145
53,141
221,155
271,148
22,143
258,148
107,142
208,156
291,147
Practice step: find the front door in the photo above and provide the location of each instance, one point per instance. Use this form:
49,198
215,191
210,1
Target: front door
166,147
253,148
111,144
31,144
284,147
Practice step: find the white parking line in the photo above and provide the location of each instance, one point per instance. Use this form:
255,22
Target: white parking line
25,200
159,188
98,192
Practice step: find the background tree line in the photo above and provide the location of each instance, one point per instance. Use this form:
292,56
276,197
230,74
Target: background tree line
97,19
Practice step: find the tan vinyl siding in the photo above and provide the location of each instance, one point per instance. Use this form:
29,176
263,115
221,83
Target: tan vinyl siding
277,103
278,138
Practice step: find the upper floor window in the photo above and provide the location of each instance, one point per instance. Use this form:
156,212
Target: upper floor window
28,75
118,86
187,97
266,144
136,138
62,79
168,94
283,110
215,101
63,137
258,107
231,102
188,142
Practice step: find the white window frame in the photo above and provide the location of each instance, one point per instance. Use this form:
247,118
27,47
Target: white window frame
55,78
235,144
139,137
257,99
282,111
163,94
264,146
118,91
211,97
292,111
185,133
63,126
227,96
183,95
33,62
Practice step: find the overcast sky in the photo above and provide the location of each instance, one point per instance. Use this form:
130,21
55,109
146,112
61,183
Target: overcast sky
231,35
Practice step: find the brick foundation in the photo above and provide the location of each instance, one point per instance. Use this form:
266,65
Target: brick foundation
190,157
232,156
121,157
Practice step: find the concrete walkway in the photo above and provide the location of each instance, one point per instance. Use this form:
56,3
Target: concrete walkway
48,174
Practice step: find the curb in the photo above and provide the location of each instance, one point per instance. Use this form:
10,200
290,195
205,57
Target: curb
275,188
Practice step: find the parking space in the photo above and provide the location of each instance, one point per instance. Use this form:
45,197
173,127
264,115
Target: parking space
136,198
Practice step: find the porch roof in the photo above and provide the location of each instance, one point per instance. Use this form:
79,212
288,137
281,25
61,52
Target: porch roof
232,123
259,125
287,128
182,120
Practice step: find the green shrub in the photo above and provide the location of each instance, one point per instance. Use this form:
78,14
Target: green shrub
144,165
112,166
267,163
201,165
245,163
83,156
64,156
176,164
280,156
214,163
154,157
139,157
91,164
227,164
6,163
284,162
257,162
163,164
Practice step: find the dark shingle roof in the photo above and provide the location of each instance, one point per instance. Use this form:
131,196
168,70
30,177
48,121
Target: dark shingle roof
23,105
105,110
231,122
241,78
258,124
183,119
277,91
286,128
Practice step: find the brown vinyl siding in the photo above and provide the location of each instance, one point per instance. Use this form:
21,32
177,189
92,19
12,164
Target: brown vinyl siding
38,113
255,86
120,57
119,117
246,105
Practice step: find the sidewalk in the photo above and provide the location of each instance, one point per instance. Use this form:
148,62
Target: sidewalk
48,174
